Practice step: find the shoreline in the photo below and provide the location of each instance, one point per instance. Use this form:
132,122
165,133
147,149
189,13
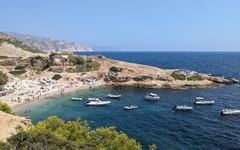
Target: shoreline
54,95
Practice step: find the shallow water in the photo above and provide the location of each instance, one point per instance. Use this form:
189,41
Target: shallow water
155,122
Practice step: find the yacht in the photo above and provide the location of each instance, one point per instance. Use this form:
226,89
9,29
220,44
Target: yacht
202,101
131,107
97,102
182,108
113,96
77,99
230,111
151,96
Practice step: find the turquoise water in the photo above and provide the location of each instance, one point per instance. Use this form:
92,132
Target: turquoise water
155,122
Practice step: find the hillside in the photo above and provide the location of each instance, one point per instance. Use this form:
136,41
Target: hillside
9,123
46,44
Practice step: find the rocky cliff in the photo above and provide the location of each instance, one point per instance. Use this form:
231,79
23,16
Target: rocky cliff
45,44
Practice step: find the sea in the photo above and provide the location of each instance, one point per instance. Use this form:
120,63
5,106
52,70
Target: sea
156,122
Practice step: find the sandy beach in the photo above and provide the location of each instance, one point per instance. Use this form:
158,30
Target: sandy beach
24,91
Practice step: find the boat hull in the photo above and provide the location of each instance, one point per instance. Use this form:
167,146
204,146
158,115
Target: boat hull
128,108
77,99
204,102
98,104
181,108
230,112
151,98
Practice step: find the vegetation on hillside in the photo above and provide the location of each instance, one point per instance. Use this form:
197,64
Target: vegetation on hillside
195,78
17,72
76,60
19,44
5,108
115,69
3,78
56,77
186,75
54,133
178,76
3,57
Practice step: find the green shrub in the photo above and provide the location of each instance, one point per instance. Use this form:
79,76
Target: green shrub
3,57
93,66
195,78
115,69
152,147
5,108
54,133
77,60
20,67
178,76
56,77
3,78
5,146
18,72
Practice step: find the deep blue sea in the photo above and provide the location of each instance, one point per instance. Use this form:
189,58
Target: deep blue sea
155,122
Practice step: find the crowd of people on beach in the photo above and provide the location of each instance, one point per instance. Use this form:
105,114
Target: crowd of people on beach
23,91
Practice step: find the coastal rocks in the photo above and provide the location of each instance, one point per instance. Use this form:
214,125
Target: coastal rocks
115,77
57,69
223,80
143,85
9,123
142,78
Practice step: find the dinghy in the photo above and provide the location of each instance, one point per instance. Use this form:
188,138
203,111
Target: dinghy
152,96
92,98
202,101
77,99
131,107
182,108
113,96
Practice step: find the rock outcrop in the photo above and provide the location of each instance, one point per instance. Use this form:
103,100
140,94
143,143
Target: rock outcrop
45,44
9,123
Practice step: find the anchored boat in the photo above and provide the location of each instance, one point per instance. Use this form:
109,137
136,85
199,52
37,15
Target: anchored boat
230,111
93,98
113,96
77,99
97,102
151,96
182,108
202,101
131,107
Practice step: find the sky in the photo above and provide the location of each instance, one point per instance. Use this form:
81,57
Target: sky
129,25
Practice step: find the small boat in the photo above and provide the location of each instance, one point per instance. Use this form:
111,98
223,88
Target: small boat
202,101
97,103
230,111
182,108
113,96
93,98
151,96
77,99
131,107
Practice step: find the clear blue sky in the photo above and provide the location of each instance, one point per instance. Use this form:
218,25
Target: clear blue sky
165,25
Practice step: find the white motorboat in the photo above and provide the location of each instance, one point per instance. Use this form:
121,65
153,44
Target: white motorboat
93,98
202,101
230,111
151,96
182,108
131,107
113,96
77,99
97,103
